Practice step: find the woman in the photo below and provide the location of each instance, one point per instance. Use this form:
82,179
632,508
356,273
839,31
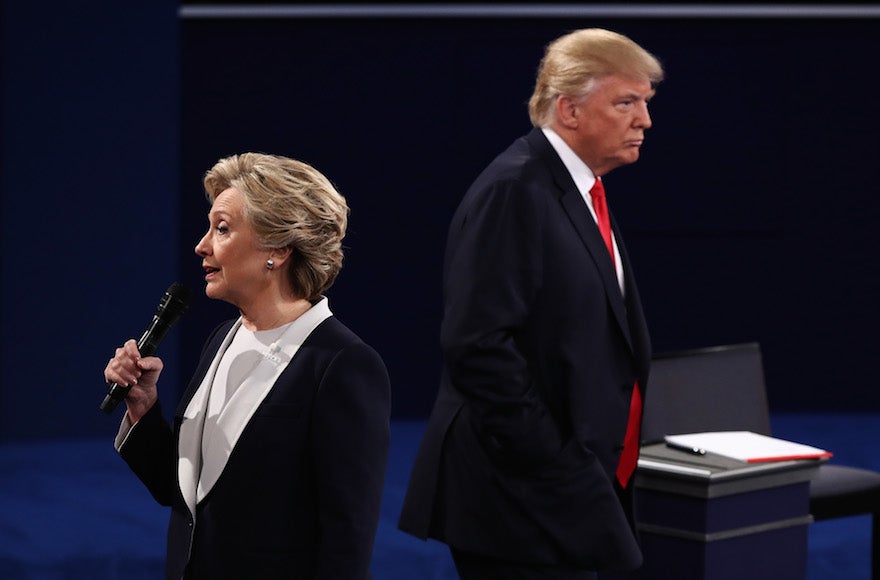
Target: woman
275,463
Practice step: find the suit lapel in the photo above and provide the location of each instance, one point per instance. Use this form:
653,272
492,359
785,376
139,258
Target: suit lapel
189,440
579,214
236,415
586,227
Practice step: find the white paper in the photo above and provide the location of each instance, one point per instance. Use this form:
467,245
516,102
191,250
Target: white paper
747,446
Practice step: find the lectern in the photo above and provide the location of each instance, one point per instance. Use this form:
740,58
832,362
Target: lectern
711,517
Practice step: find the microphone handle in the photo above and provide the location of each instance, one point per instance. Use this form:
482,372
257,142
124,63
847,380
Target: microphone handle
115,394
147,345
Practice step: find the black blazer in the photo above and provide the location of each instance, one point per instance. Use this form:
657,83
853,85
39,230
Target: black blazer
541,351
301,490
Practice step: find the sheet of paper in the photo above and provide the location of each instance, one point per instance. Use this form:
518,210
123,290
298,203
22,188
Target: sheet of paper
746,446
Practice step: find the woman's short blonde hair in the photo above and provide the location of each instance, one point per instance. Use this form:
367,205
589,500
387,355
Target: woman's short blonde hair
289,204
573,63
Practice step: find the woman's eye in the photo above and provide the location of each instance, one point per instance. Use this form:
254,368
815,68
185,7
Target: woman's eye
222,229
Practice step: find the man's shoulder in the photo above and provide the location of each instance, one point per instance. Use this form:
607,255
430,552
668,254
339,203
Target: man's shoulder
523,162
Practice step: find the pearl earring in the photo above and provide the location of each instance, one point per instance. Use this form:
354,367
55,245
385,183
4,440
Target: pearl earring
270,263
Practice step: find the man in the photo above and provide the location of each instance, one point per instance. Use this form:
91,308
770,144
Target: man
546,351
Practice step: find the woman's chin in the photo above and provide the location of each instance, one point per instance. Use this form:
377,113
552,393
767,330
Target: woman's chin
211,291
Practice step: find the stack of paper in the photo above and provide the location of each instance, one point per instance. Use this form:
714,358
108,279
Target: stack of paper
745,446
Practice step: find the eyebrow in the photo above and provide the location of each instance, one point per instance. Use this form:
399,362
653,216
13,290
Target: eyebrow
638,96
218,213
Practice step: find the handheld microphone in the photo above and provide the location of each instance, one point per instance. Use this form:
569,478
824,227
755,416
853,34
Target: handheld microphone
173,304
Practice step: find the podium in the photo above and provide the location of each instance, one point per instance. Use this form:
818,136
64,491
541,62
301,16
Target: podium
710,517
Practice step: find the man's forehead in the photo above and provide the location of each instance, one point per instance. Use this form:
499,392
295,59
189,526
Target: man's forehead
639,87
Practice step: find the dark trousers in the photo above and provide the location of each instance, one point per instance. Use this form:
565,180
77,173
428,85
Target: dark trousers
476,567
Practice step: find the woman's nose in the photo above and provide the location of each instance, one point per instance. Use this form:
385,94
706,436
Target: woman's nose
202,247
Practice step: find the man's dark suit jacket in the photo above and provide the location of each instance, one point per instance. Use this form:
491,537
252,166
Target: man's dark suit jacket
541,351
300,493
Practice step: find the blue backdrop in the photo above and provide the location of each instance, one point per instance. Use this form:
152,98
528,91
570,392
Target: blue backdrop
111,113
89,163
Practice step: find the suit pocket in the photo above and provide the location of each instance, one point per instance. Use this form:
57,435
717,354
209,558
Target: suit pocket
572,500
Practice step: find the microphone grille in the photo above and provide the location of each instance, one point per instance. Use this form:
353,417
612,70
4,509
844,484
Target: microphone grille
178,296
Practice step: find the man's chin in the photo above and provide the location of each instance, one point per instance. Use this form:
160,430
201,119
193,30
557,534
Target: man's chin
631,156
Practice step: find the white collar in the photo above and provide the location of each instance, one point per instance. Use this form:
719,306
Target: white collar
583,176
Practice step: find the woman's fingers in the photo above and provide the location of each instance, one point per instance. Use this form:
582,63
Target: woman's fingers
123,368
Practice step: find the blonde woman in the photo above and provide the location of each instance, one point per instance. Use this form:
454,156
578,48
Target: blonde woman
274,465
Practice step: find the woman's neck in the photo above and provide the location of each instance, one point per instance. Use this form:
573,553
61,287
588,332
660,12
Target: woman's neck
274,314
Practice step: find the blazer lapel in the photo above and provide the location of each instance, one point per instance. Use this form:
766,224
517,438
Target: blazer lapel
236,415
189,440
576,208
588,231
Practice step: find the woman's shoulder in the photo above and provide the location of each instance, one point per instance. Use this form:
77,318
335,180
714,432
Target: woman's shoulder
333,331
332,337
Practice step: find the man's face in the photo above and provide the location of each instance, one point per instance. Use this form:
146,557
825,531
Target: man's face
611,123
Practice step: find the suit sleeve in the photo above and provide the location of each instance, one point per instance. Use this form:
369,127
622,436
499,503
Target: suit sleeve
493,279
148,449
351,436
149,446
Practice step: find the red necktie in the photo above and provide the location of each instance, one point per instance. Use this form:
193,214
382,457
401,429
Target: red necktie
629,457
600,206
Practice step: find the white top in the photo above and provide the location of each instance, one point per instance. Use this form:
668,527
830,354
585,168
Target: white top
246,351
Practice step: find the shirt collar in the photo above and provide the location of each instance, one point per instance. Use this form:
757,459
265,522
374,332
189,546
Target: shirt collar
583,176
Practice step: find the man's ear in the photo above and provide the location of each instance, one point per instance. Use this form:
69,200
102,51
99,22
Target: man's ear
567,112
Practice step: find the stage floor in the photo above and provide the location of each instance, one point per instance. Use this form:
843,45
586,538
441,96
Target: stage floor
71,509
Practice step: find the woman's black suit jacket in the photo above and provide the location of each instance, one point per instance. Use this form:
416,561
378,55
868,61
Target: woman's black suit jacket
300,494
541,351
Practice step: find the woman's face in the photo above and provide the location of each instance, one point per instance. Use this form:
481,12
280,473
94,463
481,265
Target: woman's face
235,266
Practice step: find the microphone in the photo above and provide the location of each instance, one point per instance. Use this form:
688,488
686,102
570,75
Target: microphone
173,304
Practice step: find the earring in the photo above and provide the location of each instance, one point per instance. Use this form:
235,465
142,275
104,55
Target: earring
270,263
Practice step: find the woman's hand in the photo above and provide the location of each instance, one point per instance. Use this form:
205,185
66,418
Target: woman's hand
128,368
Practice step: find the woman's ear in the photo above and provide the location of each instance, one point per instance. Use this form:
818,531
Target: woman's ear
279,256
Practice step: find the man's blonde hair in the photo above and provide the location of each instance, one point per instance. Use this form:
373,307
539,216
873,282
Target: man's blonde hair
574,63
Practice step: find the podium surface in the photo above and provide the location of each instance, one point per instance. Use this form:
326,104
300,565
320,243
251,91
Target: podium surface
711,517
